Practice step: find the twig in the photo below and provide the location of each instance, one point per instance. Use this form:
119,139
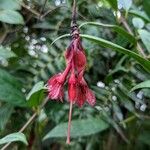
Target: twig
74,12
31,10
2,38
43,7
41,16
27,123
126,25
51,10
128,120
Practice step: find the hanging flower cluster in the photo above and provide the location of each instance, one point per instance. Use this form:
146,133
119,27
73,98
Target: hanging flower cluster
78,90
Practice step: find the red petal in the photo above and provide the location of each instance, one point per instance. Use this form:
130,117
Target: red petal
55,87
72,87
90,97
80,60
69,53
81,94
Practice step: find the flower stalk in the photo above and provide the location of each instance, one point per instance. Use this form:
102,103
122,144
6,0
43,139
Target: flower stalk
69,124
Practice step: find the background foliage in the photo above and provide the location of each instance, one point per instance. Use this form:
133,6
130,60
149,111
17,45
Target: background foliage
116,39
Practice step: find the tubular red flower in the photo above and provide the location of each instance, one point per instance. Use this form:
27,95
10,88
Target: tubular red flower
72,87
90,97
78,90
55,85
76,54
84,93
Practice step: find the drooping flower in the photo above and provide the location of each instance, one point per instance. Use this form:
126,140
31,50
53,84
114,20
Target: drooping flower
55,85
75,54
78,90
85,94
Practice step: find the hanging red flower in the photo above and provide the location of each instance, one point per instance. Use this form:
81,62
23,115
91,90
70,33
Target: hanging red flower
78,90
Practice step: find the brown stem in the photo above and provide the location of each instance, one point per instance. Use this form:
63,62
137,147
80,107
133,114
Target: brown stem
27,123
31,137
37,14
69,124
2,38
49,11
43,7
74,15
4,35
126,25
62,6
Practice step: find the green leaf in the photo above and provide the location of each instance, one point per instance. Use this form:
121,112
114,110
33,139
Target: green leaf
117,111
10,4
145,84
143,62
144,137
138,23
125,100
140,14
114,124
79,128
146,5
145,38
116,28
6,53
60,37
11,17
36,94
13,138
126,4
113,4
10,90
119,67
5,113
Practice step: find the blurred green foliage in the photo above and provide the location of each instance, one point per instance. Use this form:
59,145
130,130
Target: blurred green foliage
120,120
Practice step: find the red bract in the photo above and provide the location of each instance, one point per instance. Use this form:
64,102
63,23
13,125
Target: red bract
75,54
84,93
72,87
78,90
55,85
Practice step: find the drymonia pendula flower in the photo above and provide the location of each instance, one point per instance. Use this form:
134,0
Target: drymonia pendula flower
78,90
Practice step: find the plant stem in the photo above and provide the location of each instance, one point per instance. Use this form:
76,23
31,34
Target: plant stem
129,119
126,25
69,124
43,7
74,14
37,14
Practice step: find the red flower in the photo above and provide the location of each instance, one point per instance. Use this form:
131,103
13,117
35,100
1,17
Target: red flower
72,87
55,85
76,55
78,90
90,97
85,94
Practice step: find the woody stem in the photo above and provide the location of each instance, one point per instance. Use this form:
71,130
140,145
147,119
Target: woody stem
74,17
69,124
